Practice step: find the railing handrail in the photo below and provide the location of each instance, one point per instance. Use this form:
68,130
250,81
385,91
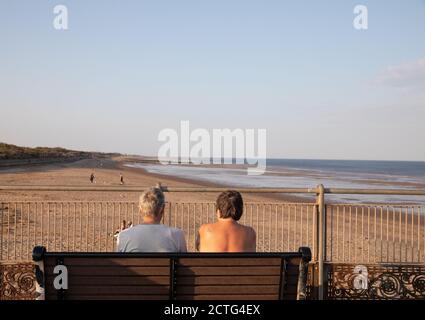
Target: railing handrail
136,188
411,192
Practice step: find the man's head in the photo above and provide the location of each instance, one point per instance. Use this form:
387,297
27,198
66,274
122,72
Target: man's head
230,205
152,203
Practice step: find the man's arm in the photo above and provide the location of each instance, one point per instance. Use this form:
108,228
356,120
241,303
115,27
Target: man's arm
119,243
182,246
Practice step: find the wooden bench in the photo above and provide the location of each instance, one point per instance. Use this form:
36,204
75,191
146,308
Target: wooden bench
172,276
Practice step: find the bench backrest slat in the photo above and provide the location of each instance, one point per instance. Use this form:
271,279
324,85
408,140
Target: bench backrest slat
228,278
110,278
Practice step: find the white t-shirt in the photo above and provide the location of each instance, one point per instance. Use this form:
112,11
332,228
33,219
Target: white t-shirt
151,238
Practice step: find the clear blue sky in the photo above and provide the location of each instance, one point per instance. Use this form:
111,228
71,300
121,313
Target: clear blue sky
127,69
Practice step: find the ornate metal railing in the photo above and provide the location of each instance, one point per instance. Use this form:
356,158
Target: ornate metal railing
17,281
384,282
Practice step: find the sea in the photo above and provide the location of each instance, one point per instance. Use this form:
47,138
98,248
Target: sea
308,173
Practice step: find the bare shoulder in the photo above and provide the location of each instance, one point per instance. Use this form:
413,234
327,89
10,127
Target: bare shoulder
250,230
207,227
127,232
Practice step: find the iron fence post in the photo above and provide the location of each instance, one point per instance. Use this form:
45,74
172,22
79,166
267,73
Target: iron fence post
321,238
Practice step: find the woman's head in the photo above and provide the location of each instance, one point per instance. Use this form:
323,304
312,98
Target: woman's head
229,204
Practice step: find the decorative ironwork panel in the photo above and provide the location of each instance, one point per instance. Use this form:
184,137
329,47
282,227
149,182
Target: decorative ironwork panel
382,282
17,281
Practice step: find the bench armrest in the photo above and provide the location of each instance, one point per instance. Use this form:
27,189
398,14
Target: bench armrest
303,273
38,258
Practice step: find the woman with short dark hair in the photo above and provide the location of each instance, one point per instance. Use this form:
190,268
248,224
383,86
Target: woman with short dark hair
227,234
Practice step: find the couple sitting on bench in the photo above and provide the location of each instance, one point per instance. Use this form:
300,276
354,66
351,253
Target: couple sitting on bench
157,267
225,235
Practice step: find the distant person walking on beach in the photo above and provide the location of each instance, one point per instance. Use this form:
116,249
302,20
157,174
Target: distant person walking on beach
92,178
227,235
151,235
121,179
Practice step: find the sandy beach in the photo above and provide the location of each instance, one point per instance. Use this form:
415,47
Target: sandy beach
107,173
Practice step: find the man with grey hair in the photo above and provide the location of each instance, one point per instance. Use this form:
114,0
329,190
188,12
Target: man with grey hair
151,235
